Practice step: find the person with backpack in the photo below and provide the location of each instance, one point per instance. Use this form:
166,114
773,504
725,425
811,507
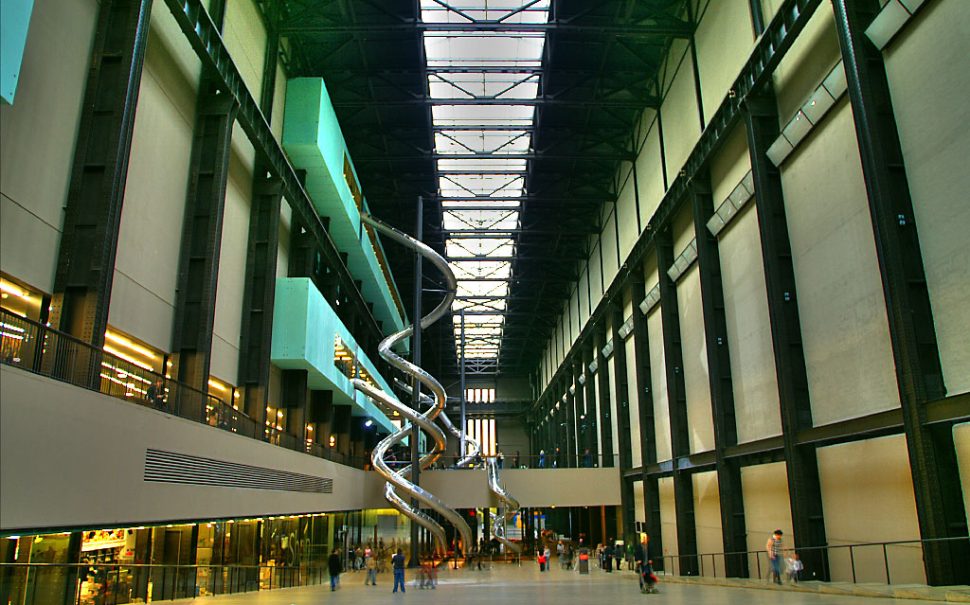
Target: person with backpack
397,562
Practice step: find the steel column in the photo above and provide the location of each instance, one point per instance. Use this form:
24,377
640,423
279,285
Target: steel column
628,520
86,259
417,314
603,386
195,303
256,334
591,439
648,431
579,412
677,403
719,376
919,374
804,490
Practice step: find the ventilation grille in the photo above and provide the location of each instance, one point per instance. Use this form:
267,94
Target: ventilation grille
170,467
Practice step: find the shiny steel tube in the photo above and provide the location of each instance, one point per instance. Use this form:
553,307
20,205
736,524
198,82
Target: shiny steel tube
510,506
469,458
400,480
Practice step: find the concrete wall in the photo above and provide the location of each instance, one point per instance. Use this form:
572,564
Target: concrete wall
95,446
531,487
707,521
633,401
867,495
929,84
37,136
843,316
143,296
696,382
766,508
753,375
961,438
658,379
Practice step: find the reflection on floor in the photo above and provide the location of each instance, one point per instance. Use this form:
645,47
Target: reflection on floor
511,585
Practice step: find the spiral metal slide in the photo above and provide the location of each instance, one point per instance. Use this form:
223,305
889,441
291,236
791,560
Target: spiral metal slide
510,507
399,481
471,456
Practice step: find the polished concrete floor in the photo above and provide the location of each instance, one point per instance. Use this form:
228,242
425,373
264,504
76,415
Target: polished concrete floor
508,585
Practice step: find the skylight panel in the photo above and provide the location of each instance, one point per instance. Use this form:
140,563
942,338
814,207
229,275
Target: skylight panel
478,247
506,49
481,185
486,115
481,219
483,288
508,11
496,319
482,141
489,164
482,115
470,85
481,269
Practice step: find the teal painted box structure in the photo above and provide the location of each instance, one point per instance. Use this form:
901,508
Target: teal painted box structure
14,23
304,331
314,143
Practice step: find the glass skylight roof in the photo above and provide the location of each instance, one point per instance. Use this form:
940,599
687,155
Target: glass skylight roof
483,118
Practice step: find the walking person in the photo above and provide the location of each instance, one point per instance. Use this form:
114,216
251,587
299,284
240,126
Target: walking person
334,566
397,562
774,547
370,564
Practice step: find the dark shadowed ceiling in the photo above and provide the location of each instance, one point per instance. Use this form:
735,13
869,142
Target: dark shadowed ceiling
511,118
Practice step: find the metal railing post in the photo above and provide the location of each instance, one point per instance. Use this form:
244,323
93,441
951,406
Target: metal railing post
852,563
885,558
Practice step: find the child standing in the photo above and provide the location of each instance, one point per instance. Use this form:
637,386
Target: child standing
794,565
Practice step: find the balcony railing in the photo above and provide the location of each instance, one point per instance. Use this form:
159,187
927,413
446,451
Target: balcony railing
42,350
117,583
864,562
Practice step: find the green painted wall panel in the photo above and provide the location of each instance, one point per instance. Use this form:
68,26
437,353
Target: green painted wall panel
14,23
304,327
314,143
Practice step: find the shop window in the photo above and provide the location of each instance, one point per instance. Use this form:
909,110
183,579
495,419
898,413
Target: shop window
224,399
346,362
21,304
132,368
20,299
275,423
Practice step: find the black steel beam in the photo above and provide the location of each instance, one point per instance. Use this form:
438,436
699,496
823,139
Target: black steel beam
579,414
804,488
256,334
644,403
592,156
719,377
919,374
202,35
677,405
195,301
591,435
546,101
660,29
92,219
603,390
622,417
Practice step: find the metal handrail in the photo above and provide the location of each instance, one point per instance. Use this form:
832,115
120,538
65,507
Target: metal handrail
761,573
40,349
124,581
